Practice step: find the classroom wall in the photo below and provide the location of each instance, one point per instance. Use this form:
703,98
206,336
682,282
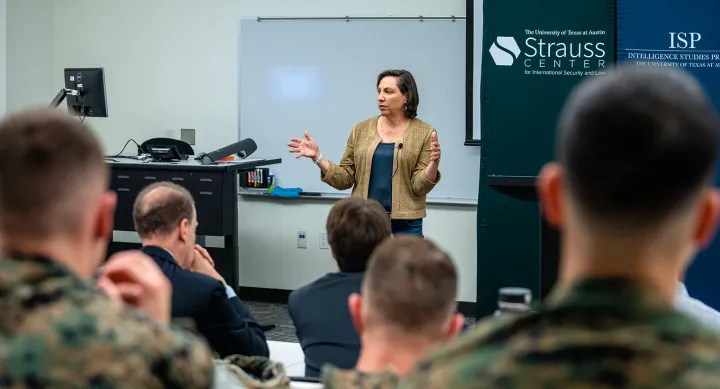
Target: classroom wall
30,53
173,64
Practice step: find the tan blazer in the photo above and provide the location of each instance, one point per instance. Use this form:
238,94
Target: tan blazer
410,186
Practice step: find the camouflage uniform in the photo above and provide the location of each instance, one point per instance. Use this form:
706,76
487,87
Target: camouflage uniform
597,334
238,371
335,378
59,331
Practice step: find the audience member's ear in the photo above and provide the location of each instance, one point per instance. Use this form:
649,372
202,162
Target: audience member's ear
184,230
455,325
105,216
550,192
355,303
708,217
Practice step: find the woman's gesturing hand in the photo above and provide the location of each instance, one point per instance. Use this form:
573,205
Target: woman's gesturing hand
304,147
434,149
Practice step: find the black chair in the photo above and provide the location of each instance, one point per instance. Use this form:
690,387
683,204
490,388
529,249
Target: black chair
183,147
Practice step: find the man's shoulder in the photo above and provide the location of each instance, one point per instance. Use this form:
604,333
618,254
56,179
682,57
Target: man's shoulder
200,282
187,357
521,351
698,310
85,330
320,286
474,349
312,286
298,295
134,326
333,377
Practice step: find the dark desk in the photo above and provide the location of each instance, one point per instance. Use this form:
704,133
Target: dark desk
214,187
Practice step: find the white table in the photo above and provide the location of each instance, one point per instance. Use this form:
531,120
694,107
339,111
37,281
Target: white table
290,355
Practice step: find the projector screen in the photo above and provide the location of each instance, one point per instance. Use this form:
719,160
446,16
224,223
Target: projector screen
474,61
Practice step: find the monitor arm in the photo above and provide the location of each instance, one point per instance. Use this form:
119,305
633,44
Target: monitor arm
60,97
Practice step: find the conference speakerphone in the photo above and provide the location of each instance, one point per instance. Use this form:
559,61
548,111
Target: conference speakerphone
165,153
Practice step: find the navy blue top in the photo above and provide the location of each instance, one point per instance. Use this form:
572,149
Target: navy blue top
380,187
322,320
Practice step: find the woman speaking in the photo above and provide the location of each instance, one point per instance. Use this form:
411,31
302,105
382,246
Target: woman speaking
392,158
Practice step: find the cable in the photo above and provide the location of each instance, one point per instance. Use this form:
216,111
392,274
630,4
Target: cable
119,155
80,99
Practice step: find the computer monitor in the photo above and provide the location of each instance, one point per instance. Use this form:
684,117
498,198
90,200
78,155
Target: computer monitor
85,92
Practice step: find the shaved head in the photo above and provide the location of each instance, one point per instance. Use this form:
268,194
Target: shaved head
411,285
57,170
160,208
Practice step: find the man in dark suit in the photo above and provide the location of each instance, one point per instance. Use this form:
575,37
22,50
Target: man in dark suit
166,220
319,310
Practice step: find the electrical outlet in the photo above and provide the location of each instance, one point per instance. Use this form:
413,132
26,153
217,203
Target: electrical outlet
323,241
302,239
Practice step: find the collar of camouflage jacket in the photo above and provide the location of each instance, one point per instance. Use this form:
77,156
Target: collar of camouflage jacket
336,378
611,293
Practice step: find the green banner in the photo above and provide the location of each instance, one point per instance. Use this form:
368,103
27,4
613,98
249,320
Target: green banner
534,53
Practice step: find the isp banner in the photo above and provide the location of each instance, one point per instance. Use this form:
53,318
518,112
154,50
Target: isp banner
684,34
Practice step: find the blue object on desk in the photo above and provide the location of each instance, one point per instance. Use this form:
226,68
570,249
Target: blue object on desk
285,192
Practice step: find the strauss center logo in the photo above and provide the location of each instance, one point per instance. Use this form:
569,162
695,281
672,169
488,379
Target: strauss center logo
548,53
504,51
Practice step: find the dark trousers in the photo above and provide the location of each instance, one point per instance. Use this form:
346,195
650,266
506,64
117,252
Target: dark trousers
412,227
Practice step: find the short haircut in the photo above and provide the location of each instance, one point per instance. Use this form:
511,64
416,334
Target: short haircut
406,84
160,207
355,226
52,166
411,284
637,144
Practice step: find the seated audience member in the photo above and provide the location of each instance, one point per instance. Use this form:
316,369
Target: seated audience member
166,220
632,194
407,309
58,330
695,307
319,310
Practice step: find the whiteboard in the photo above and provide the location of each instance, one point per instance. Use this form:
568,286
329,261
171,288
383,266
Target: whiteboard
320,76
